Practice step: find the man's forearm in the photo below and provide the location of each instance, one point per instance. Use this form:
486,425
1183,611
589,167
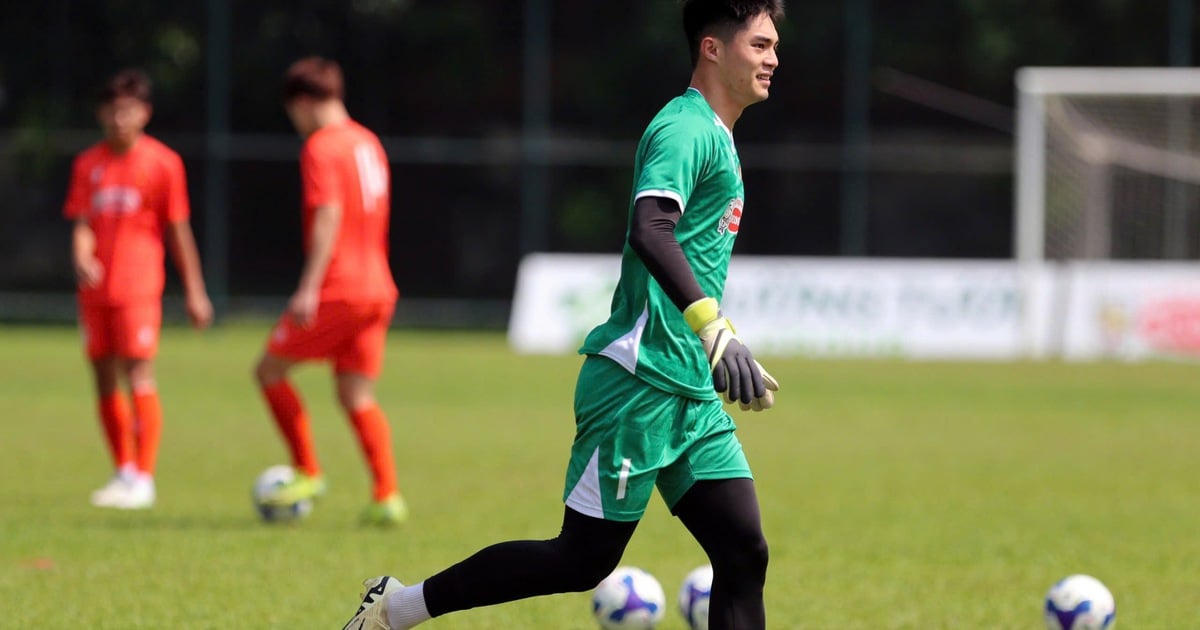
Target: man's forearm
325,226
83,241
652,237
187,256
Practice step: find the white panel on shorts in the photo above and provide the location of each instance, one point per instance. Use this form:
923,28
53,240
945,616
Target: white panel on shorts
585,496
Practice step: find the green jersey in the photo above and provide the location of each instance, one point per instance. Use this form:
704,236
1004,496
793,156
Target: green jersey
686,154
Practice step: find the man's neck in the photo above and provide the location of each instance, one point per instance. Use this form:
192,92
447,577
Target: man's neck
717,98
330,113
119,146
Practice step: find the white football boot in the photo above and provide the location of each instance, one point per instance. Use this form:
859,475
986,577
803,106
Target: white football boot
125,494
372,612
109,494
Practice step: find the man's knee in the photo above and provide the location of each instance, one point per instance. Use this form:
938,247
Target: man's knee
355,391
589,549
269,371
758,554
140,373
588,566
590,556
746,559
106,372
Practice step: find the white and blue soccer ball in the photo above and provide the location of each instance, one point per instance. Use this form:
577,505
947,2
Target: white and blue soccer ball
694,596
628,598
1080,602
266,484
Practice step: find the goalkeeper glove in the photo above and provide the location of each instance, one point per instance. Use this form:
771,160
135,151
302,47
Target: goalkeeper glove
734,370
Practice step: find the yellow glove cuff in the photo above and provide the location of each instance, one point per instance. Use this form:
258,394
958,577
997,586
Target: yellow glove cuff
700,313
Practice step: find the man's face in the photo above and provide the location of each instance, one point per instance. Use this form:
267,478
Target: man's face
123,119
749,60
300,112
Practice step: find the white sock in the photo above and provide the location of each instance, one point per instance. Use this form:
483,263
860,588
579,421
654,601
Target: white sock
406,607
145,482
127,473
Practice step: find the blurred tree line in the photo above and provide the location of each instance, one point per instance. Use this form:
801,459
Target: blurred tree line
452,69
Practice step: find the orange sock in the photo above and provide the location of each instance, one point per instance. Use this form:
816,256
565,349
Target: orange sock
292,421
149,428
375,438
118,427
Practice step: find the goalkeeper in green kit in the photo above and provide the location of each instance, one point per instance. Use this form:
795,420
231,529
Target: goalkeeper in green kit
648,405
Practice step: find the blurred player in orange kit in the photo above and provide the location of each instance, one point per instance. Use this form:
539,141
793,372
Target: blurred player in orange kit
343,305
128,194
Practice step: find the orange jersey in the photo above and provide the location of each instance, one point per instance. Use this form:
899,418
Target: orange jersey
344,164
128,199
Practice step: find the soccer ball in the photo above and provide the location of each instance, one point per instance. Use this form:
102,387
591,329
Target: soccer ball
1080,602
694,596
628,598
265,485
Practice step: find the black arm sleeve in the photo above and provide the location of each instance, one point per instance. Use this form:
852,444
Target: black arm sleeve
652,237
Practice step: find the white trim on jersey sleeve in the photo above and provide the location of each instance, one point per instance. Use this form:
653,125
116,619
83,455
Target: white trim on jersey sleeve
666,194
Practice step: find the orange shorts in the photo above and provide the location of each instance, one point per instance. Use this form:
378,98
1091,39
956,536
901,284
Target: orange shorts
129,330
350,335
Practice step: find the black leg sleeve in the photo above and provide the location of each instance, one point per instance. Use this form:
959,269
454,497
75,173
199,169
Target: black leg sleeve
584,553
723,516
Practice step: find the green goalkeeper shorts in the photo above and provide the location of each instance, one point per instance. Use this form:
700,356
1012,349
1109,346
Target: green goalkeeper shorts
630,437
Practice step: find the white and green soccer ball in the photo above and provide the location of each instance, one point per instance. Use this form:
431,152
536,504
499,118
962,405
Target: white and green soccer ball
265,485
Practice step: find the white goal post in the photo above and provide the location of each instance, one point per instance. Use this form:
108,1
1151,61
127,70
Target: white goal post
1107,163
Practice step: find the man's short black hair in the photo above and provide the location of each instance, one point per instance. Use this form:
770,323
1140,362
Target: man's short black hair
130,82
722,18
317,77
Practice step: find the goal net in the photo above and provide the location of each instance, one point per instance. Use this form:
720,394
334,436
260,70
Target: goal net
1108,164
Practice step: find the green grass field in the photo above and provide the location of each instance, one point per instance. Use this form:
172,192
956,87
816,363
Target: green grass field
895,495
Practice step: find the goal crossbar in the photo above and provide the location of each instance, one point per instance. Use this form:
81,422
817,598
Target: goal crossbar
1034,85
1100,81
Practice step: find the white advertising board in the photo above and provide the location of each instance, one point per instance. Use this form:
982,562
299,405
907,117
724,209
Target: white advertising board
815,306
1131,311
558,299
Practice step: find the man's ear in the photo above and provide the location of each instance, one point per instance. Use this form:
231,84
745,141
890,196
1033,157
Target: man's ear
710,48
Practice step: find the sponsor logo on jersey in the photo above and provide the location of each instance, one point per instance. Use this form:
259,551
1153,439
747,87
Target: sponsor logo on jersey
116,200
732,218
